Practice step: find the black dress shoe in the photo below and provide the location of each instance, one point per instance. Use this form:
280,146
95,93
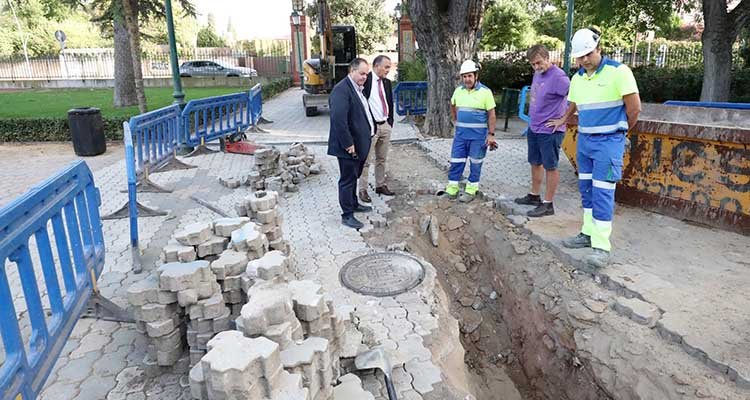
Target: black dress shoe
362,209
384,190
352,222
542,210
365,197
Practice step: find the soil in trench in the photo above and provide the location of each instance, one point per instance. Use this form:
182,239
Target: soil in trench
480,262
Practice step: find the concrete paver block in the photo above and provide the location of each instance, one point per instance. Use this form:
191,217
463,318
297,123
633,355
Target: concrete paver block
268,267
349,388
285,334
162,328
267,216
213,246
176,252
240,366
155,312
229,263
309,305
225,226
425,375
290,388
248,238
638,310
147,291
194,234
180,276
197,384
265,308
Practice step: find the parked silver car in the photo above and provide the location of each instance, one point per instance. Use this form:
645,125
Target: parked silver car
213,68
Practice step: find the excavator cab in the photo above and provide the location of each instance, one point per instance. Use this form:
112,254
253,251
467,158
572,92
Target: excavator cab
323,73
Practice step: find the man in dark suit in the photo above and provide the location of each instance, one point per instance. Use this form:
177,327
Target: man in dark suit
380,98
351,132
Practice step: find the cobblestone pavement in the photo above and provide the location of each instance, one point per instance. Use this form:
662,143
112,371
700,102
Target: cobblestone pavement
291,125
696,276
25,165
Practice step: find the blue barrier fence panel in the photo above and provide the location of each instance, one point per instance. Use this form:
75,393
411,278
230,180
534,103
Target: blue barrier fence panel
522,104
155,136
410,98
256,104
212,118
132,182
68,205
707,104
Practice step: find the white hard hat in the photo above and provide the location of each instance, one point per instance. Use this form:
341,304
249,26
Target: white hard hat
469,66
584,42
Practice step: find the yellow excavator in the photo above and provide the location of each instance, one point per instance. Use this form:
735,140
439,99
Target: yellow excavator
338,47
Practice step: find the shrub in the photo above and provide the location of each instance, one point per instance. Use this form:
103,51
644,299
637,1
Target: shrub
658,85
513,71
412,70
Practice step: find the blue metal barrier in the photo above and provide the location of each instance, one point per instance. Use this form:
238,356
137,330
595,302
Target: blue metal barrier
256,104
68,203
410,98
733,106
522,104
156,137
212,118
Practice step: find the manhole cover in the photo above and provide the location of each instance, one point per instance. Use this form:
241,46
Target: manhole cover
382,274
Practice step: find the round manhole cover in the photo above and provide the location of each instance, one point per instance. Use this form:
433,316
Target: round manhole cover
382,274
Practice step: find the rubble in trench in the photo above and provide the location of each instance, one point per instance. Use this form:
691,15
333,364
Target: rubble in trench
226,289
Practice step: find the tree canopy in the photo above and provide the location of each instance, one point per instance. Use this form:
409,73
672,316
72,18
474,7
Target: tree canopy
368,17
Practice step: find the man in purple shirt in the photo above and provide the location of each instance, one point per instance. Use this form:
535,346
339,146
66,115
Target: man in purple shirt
549,91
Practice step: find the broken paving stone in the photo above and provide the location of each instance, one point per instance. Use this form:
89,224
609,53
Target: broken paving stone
181,276
595,306
454,223
350,387
579,312
194,234
521,247
225,226
213,246
402,246
470,321
518,220
461,267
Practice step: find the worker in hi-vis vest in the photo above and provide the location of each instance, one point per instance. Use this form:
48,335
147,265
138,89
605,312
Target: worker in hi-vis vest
605,95
473,112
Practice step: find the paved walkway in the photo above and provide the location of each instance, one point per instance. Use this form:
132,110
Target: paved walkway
291,124
697,277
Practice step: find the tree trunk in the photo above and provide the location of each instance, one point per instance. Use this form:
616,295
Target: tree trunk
124,80
718,36
130,11
446,33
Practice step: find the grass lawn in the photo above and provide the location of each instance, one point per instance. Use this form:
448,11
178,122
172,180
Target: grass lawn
57,102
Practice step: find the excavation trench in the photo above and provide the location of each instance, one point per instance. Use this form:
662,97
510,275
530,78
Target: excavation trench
507,294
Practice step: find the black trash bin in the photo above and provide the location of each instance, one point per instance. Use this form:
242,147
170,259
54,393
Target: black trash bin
87,131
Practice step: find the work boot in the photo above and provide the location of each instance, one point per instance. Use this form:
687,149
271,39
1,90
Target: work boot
365,197
466,198
579,241
529,200
598,258
542,210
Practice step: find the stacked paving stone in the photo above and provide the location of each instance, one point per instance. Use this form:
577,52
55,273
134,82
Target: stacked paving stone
262,207
229,268
237,367
276,171
200,295
159,317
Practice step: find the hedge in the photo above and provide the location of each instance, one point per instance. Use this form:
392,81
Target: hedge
57,129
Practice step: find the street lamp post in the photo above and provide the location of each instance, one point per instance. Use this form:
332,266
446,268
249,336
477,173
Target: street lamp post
397,14
568,36
179,95
296,22
298,7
